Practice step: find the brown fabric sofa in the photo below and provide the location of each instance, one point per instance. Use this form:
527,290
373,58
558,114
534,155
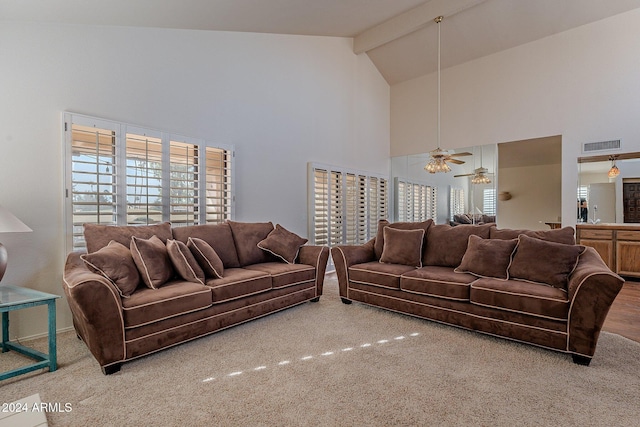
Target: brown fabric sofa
140,289
536,287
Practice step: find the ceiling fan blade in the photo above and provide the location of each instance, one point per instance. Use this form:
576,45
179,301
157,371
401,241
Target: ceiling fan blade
456,161
464,153
466,174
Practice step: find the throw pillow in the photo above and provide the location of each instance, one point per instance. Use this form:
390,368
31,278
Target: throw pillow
246,236
152,260
379,242
184,262
98,236
115,262
446,245
207,257
402,247
487,257
540,261
283,243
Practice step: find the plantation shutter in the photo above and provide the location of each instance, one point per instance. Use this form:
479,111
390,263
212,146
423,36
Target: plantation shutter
184,188
218,183
320,207
143,179
92,166
336,200
415,202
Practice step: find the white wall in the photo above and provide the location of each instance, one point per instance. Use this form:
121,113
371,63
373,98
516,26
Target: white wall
581,84
535,196
281,100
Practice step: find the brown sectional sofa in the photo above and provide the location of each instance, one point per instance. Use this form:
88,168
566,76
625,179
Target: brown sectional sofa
131,296
536,287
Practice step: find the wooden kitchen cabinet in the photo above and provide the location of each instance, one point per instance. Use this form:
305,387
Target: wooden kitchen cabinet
617,244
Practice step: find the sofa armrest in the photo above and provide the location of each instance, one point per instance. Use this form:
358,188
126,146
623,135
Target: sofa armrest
96,307
316,256
592,289
344,256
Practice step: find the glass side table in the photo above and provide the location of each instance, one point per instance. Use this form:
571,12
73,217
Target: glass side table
16,298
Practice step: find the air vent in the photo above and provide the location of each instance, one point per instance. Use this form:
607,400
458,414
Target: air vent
590,147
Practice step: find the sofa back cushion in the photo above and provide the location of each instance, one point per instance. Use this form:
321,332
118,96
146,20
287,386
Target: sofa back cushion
446,245
246,236
218,236
98,236
561,235
379,242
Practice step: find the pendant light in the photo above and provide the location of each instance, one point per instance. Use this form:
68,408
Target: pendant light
614,171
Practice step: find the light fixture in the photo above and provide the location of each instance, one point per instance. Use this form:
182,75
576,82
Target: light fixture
614,171
8,224
480,178
437,163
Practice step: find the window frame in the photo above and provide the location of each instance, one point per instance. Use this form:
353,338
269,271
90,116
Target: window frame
120,132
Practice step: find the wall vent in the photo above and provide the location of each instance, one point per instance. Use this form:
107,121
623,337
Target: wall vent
590,147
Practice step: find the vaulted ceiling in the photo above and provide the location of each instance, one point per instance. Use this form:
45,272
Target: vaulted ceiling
399,36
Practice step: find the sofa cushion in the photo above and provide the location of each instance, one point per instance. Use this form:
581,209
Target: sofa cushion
184,262
207,257
521,297
441,282
173,299
446,245
246,236
152,260
115,262
379,242
402,247
540,261
560,235
378,274
98,236
218,236
238,283
487,257
283,275
283,244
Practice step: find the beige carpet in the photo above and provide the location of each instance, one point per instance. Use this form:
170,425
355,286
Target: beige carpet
333,364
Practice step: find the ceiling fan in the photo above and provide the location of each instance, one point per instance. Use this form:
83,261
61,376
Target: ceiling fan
479,174
439,157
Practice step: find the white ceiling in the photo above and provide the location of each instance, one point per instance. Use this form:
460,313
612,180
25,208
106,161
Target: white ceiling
407,43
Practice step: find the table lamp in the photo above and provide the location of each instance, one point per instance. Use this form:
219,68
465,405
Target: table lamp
8,224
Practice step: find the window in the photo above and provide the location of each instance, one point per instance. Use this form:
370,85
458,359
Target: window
118,174
489,201
345,205
456,202
415,201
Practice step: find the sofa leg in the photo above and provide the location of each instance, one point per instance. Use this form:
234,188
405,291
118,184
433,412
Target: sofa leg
316,299
345,301
111,369
581,360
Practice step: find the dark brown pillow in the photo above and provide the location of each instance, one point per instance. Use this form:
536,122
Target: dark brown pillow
540,261
184,262
379,242
218,236
402,246
98,236
152,260
246,236
207,257
115,262
446,245
283,244
564,235
487,257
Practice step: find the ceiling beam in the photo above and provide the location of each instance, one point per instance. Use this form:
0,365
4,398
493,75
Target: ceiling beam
408,22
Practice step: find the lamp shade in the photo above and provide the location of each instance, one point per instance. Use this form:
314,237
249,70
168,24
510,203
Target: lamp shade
10,224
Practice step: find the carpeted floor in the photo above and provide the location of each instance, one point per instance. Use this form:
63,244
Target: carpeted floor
332,364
